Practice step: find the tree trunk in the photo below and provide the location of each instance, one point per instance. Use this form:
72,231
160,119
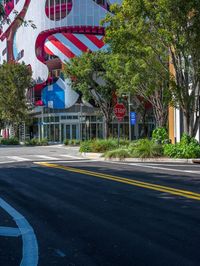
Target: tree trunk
188,123
160,117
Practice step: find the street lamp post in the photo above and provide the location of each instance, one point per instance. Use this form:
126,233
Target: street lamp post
128,94
129,115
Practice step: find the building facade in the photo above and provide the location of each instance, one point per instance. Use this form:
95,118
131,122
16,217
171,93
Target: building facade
58,30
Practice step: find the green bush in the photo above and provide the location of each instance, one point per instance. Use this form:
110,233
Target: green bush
123,142
43,142
32,142
72,142
145,148
160,135
10,141
66,142
37,142
86,146
103,145
100,145
118,153
187,148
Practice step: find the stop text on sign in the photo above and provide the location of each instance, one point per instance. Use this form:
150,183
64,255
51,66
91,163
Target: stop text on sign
119,111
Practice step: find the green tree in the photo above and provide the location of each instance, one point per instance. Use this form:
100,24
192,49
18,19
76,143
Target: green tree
88,75
148,30
132,74
15,79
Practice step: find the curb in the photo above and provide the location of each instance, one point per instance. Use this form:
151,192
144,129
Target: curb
138,160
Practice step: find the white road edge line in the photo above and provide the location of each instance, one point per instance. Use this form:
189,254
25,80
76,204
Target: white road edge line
18,158
7,162
78,161
159,168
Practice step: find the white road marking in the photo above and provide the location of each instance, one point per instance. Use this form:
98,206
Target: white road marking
165,169
77,161
70,156
29,240
154,167
171,165
46,157
7,162
18,159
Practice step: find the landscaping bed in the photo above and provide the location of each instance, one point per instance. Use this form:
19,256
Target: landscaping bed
158,147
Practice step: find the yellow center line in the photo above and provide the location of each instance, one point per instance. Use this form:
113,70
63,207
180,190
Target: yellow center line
170,190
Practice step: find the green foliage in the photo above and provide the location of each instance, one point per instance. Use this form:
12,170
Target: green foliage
66,142
37,142
145,148
43,142
86,146
88,74
15,79
120,153
102,145
10,141
187,148
72,142
32,142
153,34
160,135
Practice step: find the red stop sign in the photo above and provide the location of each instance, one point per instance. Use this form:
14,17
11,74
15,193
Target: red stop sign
120,111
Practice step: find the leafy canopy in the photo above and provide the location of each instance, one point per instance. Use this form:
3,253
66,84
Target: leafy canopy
15,79
161,39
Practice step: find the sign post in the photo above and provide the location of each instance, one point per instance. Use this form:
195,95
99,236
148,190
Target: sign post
120,112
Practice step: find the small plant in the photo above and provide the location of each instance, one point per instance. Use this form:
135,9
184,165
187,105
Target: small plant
32,142
86,146
77,142
144,148
43,142
10,141
103,145
118,153
160,135
66,142
72,142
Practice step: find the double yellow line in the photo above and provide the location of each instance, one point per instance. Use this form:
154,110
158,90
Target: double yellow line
132,182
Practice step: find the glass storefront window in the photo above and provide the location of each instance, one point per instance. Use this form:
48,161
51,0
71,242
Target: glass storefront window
68,132
73,131
93,131
57,135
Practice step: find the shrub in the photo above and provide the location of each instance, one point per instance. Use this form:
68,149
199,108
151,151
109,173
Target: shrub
86,146
43,142
187,148
66,142
10,141
118,153
103,145
73,142
144,148
160,135
124,142
32,142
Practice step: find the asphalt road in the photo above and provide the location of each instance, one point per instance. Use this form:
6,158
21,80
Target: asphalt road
96,213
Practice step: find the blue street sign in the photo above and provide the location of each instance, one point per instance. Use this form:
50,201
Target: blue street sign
133,117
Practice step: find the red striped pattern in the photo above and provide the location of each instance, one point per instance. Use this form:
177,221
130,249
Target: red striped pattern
90,42
66,51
